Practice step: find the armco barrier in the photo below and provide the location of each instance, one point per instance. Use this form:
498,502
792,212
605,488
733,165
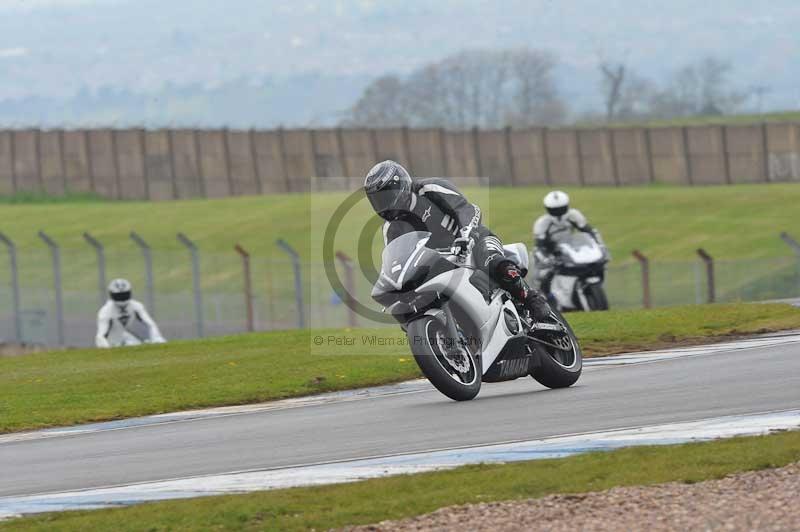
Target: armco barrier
186,163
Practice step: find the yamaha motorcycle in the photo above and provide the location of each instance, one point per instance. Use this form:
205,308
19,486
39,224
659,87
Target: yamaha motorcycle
580,273
462,328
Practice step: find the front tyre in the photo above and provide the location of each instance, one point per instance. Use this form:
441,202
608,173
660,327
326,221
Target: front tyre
561,359
596,297
454,372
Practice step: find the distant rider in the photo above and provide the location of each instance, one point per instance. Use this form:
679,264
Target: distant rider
117,318
435,205
552,228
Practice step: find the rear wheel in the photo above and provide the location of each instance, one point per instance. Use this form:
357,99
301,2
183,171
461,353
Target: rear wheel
449,364
596,297
560,355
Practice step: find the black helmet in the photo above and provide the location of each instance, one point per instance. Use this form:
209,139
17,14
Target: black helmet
388,188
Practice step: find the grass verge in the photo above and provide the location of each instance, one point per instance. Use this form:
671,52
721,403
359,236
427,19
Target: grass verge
671,222
38,198
84,385
320,508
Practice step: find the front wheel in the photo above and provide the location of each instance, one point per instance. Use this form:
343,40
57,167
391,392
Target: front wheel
596,297
449,364
560,355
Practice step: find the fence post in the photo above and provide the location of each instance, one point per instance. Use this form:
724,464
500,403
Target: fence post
350,287
198,163
648,153
12,155
443,151
12,257
509,155
476,150
709,262
198,296
546,157
765,166
726,162
795,245
612,154
148,270
298,283
101,265
791,242
251,137
687,156
579,156
645,264
55,253
248,286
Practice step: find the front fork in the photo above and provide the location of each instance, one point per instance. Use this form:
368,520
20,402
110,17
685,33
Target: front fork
452,330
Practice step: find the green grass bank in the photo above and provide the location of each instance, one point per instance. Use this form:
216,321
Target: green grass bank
84,385
322,508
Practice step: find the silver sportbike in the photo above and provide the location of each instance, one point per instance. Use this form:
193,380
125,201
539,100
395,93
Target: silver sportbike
462,328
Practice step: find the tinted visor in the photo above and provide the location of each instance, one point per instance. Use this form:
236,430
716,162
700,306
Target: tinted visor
120,296
391,198
558,212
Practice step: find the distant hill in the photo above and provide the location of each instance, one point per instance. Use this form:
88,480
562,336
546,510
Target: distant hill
204,62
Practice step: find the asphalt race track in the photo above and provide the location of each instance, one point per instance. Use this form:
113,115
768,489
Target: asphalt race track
679,386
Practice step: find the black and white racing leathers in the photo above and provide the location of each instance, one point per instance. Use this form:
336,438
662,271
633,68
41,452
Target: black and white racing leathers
438,207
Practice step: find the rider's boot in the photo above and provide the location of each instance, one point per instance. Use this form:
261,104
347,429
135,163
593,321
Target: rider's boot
532,299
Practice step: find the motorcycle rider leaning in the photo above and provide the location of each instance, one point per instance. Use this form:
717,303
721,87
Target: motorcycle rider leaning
435,205
550,228
117,316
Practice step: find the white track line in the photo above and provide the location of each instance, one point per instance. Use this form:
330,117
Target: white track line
414,386
354,470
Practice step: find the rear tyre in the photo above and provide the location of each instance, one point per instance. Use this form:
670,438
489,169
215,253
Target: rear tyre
456,375
560,368
596,297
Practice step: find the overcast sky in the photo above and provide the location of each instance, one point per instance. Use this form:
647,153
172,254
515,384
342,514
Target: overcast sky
54,47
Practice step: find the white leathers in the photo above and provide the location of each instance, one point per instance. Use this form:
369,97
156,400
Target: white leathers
554,227
559,222
123,320
550,229
116,325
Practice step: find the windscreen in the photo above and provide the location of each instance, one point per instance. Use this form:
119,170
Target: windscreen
397,253
577,240
580,248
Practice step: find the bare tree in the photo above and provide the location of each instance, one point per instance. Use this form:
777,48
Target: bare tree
759,91
471,88
625,94
701,88
383,103
613,79
536,96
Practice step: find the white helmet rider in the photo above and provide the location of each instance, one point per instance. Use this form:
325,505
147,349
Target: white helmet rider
124,321
556,203
119,291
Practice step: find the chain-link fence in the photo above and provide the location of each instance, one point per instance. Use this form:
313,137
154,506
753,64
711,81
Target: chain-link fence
687,282
220,300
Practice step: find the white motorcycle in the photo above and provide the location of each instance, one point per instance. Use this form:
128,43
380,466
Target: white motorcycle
579,275
462,328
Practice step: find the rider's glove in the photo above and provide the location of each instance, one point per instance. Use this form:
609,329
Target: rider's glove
460,246
544,262
461,243
606,254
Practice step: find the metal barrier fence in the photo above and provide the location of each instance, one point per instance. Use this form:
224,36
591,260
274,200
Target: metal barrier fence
49,295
